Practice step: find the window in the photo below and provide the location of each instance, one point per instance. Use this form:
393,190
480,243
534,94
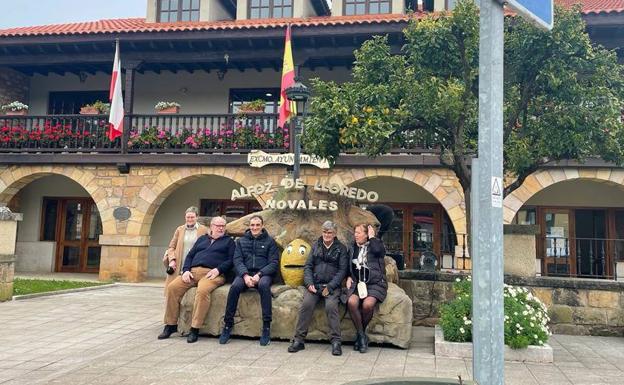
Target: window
178,10
69,102
525,216
264,9
238,96
366,7
219,207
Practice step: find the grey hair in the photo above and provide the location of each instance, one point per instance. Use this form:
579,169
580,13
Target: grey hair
193,210
212,221
329,225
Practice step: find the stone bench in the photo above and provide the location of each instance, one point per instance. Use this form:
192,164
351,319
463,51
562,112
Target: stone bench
391,324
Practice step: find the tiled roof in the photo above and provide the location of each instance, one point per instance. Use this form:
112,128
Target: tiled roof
134,25
596,6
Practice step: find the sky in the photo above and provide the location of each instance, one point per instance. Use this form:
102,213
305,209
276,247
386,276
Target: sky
25,13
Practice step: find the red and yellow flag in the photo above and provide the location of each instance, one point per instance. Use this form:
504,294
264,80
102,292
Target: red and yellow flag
286,108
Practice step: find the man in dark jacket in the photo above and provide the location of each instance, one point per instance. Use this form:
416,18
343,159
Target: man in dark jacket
324,271
256,260
205,265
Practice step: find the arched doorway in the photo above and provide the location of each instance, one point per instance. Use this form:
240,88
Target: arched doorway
211,194
60,229
420,224
581,227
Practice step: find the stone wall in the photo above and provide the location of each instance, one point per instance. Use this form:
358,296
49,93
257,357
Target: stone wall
13,86
575,306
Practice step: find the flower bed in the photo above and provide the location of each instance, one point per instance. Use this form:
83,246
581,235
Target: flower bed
236,136
526,317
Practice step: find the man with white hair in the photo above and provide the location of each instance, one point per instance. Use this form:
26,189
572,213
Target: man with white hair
205,265
324,271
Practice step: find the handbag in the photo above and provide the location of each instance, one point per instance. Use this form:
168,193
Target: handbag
362,290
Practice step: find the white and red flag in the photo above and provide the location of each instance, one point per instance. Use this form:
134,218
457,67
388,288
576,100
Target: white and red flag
116,98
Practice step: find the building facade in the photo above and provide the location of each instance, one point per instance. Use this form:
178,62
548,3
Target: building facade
91,205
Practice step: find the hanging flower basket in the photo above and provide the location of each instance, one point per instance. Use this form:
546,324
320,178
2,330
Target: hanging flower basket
86,110
169,110
15,108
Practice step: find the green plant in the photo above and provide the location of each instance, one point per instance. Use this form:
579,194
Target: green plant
253,106
526,317
100,106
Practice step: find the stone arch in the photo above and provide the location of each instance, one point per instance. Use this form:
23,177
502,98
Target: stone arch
441,183
14,178
544,178
169,179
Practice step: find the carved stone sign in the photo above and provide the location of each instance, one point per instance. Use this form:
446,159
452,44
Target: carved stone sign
257,158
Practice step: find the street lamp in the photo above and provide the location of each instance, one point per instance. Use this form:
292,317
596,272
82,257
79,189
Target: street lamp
298,94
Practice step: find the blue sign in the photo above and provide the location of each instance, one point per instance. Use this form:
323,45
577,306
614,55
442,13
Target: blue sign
539,11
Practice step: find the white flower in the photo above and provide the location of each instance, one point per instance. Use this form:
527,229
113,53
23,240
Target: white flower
532,324
467,322
15,106
163,105
535,336
540,342
457,280
462,330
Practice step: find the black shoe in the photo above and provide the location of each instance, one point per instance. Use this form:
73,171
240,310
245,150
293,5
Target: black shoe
168,331
193,336
296,346
336,348
226,333
356,342
363,343
265,339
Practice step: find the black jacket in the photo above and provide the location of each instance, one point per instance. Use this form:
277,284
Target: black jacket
253,255
376,264
218,254
326,266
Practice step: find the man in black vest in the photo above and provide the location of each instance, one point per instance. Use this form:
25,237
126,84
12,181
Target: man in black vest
256,260
205,265
324,271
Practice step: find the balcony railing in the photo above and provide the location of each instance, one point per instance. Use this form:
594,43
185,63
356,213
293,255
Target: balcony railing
160,133
581,257
450,250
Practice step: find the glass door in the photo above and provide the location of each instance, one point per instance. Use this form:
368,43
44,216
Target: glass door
558,252
425,232
77,242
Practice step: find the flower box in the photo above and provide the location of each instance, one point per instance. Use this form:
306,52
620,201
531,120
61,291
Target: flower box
89,111
18,112
533,353
169,110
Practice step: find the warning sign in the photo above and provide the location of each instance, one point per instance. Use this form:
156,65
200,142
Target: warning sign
497,191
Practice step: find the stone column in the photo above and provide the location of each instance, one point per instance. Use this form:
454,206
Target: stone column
124,257
8,237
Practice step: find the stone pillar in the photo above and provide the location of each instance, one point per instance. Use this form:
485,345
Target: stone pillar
8,237
519,249
124,258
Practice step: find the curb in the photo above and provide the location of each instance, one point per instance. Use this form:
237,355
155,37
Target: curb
66,291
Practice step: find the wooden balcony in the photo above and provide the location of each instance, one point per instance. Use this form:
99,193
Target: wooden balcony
196,138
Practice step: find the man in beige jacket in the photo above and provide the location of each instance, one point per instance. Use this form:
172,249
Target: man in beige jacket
183,240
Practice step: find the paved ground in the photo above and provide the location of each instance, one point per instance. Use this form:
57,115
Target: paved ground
108,336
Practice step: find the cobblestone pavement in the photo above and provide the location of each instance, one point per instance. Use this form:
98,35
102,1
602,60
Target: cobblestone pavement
108,336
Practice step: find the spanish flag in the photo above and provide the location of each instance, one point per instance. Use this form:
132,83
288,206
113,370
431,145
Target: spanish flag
286,108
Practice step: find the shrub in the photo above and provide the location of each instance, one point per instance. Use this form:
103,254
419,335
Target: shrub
526,318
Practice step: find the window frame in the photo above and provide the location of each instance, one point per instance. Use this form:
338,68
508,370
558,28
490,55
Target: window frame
178,12
367,4
272,7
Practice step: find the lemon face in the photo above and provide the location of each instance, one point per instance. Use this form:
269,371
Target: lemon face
293,258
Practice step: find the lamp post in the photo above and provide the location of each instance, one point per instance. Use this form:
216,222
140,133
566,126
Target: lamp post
298,93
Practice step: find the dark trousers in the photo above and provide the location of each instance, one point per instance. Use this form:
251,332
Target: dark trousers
238,286
306,313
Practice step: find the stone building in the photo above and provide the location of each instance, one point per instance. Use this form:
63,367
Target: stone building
90,205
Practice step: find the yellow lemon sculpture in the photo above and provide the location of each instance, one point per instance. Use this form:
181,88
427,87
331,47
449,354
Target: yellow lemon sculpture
293,258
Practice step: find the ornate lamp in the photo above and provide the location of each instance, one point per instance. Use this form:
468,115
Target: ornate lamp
298,93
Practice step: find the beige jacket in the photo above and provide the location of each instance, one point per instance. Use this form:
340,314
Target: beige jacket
176,248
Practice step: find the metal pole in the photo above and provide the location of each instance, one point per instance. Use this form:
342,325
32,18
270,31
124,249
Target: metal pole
487,305
296,166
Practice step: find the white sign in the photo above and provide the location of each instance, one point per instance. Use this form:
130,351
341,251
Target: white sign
541,12
497,191
257,158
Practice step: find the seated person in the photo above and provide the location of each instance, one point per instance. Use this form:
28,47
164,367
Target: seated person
324,271
205,265
256,260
